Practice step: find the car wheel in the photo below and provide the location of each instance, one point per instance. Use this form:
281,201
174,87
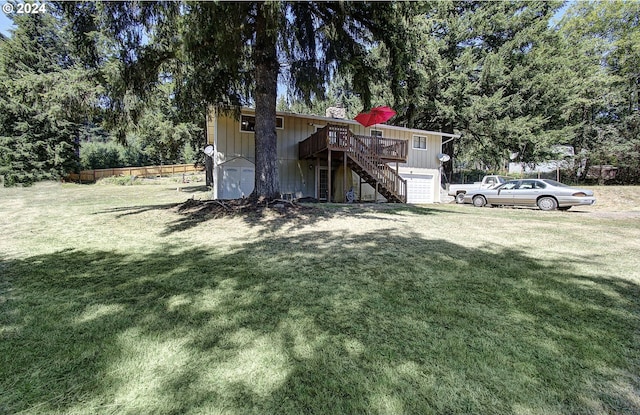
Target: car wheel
460,198
547,203
479,201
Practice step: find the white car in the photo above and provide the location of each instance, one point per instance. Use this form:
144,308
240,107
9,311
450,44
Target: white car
545,194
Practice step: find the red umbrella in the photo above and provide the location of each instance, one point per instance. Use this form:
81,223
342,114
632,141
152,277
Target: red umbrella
377,115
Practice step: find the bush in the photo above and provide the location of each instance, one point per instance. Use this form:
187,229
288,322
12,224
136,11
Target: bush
119,180
101,155
96,155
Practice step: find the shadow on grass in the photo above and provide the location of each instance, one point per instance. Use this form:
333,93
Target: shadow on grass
136,210
270,219
194,188
376,323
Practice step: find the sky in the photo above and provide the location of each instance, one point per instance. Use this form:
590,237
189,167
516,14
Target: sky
5,23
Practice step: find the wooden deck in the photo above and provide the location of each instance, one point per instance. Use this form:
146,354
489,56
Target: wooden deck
369,157
339,138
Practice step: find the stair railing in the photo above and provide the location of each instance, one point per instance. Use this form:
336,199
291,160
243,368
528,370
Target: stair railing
371,161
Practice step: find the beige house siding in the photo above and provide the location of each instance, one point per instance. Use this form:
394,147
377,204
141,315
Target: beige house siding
424,158
298,178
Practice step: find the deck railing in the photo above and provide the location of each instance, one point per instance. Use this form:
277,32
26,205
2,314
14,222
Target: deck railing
335,137
370,153
369,160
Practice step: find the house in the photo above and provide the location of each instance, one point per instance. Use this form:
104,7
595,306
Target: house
325,157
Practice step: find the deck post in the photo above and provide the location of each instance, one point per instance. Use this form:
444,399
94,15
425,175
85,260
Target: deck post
397,176
317,178
344,175
329,177
375,195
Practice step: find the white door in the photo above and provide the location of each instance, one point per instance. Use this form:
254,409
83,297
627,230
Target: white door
230,183
419,188
247,181
237,182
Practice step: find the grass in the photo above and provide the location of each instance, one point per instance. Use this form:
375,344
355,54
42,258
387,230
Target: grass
113,303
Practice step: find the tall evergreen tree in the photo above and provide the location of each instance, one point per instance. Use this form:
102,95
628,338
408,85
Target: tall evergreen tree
490,70
234,53
42,96
604,37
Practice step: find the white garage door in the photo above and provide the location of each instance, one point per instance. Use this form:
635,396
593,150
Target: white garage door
419,188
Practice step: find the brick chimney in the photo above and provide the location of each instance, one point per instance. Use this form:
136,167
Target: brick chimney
336,112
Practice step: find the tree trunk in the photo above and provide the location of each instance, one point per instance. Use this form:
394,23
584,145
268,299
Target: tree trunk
267,182
449,149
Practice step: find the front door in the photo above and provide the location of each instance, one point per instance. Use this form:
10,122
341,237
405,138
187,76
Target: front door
323,183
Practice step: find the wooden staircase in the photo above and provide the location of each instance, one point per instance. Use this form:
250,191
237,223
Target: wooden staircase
367,156
368,164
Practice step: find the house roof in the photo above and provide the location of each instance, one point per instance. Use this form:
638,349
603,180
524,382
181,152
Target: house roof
354,122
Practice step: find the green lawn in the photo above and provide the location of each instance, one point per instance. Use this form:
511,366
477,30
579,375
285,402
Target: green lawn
111,302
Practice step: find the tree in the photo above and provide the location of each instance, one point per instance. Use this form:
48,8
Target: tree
490,70
43,94
161,133
234,54
339,93
605,37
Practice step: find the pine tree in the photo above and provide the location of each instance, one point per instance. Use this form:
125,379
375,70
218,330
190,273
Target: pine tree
42,92
604,37
234,53
485,69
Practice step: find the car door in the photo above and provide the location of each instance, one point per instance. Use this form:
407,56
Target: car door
526,194
503,195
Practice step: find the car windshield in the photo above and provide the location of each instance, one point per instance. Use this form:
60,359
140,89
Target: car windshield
554,183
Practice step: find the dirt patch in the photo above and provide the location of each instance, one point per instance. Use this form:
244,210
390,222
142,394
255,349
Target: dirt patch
280,209
239,207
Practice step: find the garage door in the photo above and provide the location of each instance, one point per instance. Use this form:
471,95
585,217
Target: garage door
419,188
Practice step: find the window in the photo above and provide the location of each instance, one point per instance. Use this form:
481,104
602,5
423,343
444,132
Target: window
420,142
248,123
376,133
527,184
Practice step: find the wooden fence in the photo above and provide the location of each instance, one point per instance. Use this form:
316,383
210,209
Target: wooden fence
145,171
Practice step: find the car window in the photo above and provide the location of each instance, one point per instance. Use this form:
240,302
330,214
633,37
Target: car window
527,184
509,185
539,185
554,183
